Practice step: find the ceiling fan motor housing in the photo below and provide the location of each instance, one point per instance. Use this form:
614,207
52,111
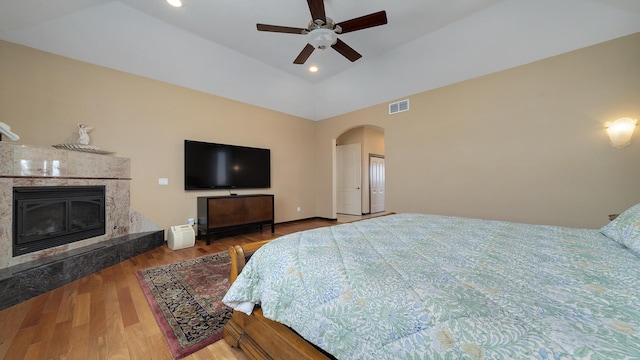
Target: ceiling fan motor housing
320,24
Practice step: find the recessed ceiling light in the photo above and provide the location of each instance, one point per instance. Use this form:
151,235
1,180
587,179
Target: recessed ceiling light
313,69
176,3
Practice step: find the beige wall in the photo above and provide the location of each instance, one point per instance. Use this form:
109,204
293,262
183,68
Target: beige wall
526,144
44,96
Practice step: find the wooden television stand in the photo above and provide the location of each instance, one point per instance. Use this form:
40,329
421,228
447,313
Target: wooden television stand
218,214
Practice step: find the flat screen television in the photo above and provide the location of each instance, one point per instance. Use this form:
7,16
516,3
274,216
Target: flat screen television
221,166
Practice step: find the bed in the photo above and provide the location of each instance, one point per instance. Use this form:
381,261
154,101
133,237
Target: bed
415,286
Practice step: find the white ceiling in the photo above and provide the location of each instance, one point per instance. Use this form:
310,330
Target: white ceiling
213,46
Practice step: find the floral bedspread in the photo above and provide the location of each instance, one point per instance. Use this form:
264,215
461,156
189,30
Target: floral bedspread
413,286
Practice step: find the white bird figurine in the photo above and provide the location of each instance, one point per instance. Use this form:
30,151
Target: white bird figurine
83,130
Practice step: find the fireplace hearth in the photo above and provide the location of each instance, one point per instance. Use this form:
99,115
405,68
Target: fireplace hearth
50,216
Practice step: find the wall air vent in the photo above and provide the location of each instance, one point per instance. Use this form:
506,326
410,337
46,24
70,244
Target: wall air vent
399,106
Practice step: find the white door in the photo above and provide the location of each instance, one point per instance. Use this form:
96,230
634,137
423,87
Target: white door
349,168
376,183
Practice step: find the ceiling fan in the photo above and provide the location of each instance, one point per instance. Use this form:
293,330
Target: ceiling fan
323,31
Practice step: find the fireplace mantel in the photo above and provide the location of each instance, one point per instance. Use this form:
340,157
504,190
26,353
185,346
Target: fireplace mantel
28,161
26,165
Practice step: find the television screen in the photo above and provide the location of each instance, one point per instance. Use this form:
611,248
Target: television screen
220,166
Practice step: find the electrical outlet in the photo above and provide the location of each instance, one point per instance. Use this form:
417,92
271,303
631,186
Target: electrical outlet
298,208
191,221
163,181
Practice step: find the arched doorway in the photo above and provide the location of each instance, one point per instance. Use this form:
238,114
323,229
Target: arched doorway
362,168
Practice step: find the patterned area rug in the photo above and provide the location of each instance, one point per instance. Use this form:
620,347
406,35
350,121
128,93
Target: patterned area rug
186,300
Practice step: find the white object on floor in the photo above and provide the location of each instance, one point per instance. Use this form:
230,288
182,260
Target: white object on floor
181,237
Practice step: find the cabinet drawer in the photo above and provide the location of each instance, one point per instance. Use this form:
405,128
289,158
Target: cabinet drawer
259,208
223,213
226,212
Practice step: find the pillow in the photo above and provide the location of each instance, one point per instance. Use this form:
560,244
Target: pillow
625,229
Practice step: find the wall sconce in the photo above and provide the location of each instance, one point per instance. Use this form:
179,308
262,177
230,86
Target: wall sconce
620,131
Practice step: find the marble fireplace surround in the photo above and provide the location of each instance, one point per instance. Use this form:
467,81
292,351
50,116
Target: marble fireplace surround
127,232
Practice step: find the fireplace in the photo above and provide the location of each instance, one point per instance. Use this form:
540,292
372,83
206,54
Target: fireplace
49,216
112,232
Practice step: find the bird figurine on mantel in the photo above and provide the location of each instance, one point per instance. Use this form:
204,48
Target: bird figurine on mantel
83,130
6,130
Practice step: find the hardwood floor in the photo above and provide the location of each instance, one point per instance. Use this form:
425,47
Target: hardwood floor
106,316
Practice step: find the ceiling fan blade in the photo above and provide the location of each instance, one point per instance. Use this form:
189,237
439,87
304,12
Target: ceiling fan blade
364,22
346,50
304,54
317,10
280,29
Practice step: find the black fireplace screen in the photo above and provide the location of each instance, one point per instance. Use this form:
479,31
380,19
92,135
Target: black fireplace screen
49,216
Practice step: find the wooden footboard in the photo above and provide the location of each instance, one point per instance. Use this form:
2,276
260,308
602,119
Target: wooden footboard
257,336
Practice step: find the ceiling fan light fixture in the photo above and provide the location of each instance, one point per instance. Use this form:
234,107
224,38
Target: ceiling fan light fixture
313,69
175,3
322,38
